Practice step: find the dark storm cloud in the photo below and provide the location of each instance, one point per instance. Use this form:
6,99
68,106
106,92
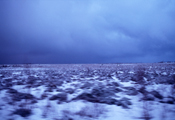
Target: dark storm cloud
92,31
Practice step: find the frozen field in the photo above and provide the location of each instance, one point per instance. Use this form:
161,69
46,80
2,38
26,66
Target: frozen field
87,92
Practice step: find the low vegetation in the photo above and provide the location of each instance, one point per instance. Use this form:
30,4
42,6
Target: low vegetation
73,92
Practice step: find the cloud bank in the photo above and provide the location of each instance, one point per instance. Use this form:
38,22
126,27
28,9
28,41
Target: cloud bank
92,31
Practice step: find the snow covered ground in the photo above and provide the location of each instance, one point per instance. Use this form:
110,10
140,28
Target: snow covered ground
87,92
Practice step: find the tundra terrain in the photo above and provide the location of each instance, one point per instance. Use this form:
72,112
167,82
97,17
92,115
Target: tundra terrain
87,91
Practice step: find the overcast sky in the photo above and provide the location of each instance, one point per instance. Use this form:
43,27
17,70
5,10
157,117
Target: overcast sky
87,31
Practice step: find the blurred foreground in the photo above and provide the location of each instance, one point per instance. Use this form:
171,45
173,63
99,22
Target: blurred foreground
87,91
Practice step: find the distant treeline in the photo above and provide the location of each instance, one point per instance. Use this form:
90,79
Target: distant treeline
166,62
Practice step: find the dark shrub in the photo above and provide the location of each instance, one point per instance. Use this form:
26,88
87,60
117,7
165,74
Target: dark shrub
23,112
60,97
140,73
